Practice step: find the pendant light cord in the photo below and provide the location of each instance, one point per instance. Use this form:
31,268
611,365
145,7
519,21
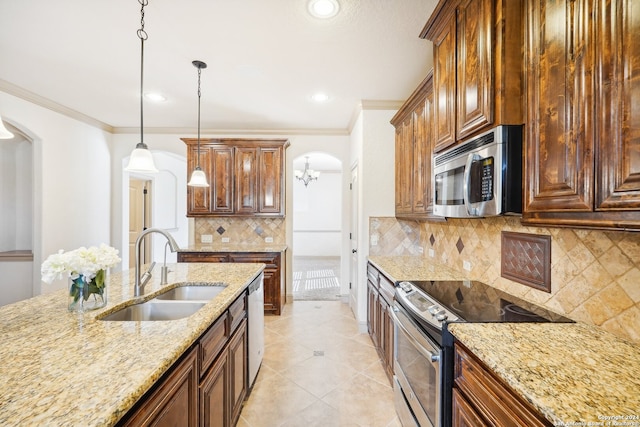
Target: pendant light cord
142,35
199,95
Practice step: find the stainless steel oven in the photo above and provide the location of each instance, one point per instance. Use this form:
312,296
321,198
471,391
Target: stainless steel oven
417,373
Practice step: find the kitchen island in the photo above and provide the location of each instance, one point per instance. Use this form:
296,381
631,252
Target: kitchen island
72,369
571,373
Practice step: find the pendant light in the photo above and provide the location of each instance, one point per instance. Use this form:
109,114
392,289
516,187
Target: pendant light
198,178
4,132
141,159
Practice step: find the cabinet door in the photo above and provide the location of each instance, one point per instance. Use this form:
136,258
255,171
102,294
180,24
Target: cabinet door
273,277
373,310
463,413
559,159
199,198
246,180
474,74
617,98
270,181
444,85
386,338
404,172
222,179
239,370
215,405
421,162
174,401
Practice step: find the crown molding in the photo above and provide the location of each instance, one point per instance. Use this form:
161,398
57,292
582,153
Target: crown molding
367,104
34,98
230,132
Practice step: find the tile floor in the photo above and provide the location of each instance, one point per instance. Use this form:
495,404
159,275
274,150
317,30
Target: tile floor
316,278
318,370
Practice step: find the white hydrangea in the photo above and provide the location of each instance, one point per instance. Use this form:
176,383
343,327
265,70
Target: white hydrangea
81,261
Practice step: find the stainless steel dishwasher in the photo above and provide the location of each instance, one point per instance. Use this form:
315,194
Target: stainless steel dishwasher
256,327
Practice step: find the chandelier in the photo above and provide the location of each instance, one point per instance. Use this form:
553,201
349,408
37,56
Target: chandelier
307,175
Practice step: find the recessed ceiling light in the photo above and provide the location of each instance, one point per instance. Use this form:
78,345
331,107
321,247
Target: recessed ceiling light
155,97
323,8
320,97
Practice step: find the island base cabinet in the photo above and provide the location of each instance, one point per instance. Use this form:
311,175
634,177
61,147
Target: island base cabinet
174,401
224,387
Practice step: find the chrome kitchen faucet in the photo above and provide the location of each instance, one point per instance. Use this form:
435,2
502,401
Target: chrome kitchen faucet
138,289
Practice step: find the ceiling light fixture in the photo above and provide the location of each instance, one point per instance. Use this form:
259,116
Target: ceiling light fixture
141,159
320,97
323,9
4,132
307,175
198,178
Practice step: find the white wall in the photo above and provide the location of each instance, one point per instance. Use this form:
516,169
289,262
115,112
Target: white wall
373,149
317,216
71,179
16,194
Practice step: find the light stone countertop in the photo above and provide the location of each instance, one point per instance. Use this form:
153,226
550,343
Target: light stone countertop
237,247
401,268
572,373
68,369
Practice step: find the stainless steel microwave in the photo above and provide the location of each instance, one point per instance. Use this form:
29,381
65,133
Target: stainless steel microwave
481,176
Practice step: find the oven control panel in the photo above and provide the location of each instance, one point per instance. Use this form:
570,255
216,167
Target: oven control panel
422,305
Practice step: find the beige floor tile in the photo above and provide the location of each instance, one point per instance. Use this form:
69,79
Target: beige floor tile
345,387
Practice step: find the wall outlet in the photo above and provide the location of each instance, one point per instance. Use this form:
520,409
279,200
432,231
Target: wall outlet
374,240
268,239
466,265
206,238
226,240
432,253
420,250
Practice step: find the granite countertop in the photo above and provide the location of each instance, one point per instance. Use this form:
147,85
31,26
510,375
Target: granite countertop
573,373
231,247
71,369
399,268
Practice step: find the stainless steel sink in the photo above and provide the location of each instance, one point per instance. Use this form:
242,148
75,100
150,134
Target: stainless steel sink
192,292
155,310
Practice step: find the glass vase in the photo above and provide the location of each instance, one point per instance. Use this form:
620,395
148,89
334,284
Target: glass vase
86,295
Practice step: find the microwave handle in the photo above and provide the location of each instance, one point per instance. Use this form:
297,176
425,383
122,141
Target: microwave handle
466,188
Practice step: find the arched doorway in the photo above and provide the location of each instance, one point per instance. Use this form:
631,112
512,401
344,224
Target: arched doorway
317,228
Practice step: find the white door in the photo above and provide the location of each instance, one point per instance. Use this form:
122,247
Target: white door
353,237
139,217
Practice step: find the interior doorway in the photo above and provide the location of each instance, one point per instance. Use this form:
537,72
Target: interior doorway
353,238
317,228
139,217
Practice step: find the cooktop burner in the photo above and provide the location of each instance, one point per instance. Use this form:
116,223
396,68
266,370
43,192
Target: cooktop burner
474,301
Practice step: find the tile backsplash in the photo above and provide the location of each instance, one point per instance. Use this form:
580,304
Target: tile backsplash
595,275
250,230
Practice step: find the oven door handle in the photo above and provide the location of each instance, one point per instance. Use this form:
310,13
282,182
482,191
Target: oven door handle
466,187
434,358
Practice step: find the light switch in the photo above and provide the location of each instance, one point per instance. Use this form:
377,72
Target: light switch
225,240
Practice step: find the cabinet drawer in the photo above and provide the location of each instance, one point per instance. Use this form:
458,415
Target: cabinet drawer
373,275
237,312
272,260
387,289
202,257
212,343
493,399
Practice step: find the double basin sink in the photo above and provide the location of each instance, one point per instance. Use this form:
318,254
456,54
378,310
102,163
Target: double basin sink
175,303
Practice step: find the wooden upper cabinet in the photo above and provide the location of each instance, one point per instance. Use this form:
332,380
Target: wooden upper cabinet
582,164
414,147
477,67
246,177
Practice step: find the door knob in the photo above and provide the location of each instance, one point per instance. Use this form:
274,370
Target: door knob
353,251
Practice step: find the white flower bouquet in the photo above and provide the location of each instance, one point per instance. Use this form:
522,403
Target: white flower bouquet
86,269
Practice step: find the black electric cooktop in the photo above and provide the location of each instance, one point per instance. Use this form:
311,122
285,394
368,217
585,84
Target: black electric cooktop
474,301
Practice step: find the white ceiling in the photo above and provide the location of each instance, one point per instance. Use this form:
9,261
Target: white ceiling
265,59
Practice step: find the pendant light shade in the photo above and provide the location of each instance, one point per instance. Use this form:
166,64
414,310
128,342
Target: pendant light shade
141,159
4,132
198,178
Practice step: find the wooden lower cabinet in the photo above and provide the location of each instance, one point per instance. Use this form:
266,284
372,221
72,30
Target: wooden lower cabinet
480,398
208,386
380,293
274,272
173,401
